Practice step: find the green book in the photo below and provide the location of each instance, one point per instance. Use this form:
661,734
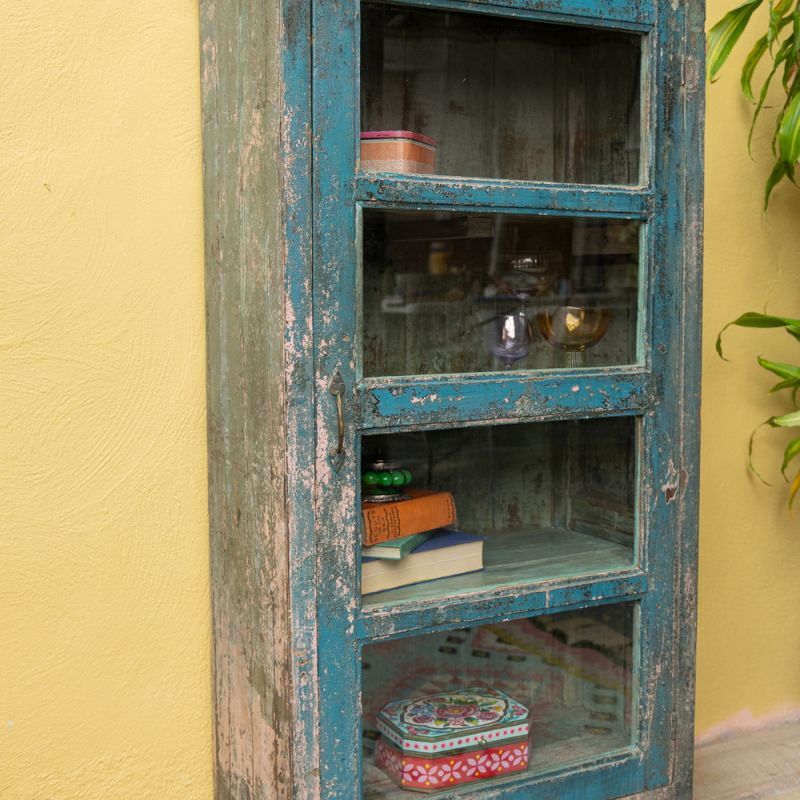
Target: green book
395,549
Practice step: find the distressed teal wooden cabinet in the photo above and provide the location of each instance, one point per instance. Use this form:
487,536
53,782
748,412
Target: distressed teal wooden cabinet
497,289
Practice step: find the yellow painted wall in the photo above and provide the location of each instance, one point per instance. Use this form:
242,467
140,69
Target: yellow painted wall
104,596
104,613
749,637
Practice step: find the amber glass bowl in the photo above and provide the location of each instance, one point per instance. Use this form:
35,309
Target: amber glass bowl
573,329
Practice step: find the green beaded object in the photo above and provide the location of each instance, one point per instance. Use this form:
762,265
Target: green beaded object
384,481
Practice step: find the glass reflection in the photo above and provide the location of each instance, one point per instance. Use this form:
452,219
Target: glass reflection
451,292
572,672
483,96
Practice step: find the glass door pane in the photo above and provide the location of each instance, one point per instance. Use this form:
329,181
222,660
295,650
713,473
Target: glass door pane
449,292
571,673
490,97
539,500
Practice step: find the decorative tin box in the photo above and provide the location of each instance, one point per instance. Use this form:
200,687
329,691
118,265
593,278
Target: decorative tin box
452,738
397,151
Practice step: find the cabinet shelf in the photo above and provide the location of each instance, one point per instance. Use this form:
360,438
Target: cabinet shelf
517,558
379,621
525,571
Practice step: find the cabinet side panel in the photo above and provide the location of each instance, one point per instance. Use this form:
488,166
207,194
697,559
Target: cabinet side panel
691,326
246,403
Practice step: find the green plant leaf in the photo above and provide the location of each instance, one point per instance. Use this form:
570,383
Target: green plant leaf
795,332
787,371
775,177
724,35
776,13
796,35
778,59
788,75
793,488
754,319
791,89
750,465
750,64
789,70
789,133
788,384
790,420
791,452
757,319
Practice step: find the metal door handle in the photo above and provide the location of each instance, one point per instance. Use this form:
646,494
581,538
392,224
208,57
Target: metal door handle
336,388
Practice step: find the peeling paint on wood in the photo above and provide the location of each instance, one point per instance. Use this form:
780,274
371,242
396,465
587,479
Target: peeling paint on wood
283,318
391,402
418,191
260,425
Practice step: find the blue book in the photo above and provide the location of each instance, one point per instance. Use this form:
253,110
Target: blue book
446,553
396,549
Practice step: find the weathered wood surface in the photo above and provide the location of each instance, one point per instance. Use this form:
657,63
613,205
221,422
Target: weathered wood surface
686,60
432,401
260,473
272,482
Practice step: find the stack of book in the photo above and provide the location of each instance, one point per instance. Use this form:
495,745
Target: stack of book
413,540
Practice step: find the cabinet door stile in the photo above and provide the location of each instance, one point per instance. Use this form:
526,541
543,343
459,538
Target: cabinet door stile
670,430
299,391
335,45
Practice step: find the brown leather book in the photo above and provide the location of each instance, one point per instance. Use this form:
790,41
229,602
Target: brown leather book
424,511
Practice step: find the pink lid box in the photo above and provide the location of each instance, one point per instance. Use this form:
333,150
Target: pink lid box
414,137
453,720
452,738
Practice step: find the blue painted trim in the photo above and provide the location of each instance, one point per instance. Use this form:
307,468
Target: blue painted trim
637,15
690,325
559,394
335,134
423,192
669,465
520,600
595,779
299,389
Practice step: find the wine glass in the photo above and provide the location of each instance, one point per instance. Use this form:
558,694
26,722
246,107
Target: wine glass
509,337
537,270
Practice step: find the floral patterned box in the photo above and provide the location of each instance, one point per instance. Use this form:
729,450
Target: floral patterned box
452,738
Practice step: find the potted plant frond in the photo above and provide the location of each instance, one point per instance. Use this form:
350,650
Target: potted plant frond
779,49
789,375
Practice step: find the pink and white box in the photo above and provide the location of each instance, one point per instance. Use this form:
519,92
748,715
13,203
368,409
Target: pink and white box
451,738
397,151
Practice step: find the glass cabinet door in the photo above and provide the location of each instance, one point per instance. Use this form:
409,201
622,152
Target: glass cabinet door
496,314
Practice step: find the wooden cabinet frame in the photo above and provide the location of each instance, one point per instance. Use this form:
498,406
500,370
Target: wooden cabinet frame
282,199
